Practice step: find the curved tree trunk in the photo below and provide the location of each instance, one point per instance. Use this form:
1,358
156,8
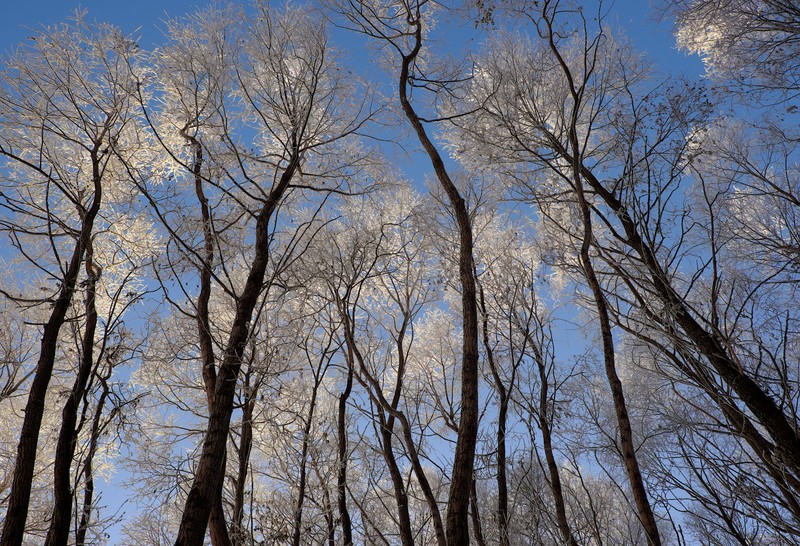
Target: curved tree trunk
645,511
549,454
457,520
216,521
386,431
500,436
207,484
341,474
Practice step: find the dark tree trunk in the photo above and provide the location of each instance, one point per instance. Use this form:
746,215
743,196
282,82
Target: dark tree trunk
477,530
376,394
386,429
58,533
645,511
547,444
502,417
207,484
218,529
398,485
781,429
245,445
301,486
341,475
19,498
457,520
88,469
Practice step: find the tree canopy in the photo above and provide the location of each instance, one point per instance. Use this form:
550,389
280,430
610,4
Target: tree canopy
516,289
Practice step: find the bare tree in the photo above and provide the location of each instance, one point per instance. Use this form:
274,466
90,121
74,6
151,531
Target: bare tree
752,43
292,92
402,26
66,146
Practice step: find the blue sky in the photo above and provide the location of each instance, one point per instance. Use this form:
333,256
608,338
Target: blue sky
635,16
21,16
145,18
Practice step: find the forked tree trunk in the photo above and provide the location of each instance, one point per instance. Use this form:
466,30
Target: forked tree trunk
549,454
301,486
386,432
208,480
25,462
216,521
58,533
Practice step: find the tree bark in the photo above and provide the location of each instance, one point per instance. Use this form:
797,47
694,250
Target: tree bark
341,474
763,407
547,445
386,429
301,486
207,484
645,511
217,526
245,445
88,470
19,498
457,520
58,533
500,436
477,530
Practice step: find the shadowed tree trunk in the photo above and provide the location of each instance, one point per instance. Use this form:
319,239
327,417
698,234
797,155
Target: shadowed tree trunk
457,520
58,533
88,471
207,484
238,536
19,498
341,474
217,526
502,418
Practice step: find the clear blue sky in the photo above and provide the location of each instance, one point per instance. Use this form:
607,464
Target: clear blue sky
21,15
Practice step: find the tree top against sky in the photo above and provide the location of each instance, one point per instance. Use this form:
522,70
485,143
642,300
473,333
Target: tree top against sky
146,19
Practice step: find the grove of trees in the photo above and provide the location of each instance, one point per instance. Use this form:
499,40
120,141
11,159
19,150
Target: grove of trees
222,289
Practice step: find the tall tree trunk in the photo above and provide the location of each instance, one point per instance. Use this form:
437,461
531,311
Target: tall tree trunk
218,529
58,533
245,445
645,511
341,474
502,417
477,530
25,462
547,444
88,469
210,473
457,520
301,486
780,427
386,429
398,485
376,393
576,90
